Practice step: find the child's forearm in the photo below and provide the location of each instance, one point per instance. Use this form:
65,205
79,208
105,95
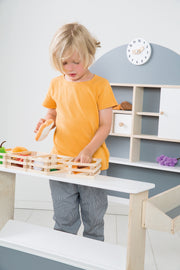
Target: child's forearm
87,153
98,139
51,114
105,120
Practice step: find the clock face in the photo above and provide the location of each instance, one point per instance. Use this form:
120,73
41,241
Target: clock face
138,51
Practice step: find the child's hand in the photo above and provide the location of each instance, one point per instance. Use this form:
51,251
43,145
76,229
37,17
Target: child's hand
84,157
41,121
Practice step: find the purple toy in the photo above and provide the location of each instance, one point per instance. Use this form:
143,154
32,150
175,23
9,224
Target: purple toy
167,161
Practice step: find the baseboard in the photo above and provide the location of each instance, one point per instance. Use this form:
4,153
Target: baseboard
116,205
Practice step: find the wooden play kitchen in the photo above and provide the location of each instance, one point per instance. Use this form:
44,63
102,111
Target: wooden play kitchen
76,252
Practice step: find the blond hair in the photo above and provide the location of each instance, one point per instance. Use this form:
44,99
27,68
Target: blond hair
70,38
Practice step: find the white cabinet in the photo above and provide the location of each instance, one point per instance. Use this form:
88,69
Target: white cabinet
169,114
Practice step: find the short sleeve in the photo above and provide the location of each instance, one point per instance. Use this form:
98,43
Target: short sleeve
106,98
49,102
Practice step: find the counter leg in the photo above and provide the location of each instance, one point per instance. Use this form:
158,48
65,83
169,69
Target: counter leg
7,196
136,234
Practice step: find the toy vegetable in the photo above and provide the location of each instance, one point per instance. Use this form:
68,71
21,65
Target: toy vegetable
20,151
2,150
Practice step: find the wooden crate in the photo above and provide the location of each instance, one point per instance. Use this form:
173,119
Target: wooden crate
48,163
19,159
92,168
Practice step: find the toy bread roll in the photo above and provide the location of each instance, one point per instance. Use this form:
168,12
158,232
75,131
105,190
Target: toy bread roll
44,130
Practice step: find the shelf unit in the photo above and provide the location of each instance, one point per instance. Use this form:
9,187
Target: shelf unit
135,138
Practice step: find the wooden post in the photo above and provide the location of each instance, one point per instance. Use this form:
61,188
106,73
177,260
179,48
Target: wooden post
7,196
136,233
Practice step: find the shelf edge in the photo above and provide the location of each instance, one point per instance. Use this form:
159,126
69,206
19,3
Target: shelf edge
144,164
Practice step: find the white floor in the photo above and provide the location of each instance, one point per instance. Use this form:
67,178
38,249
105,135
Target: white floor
162,249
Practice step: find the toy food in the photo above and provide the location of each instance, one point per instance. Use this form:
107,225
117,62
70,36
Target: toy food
19,149
125,105
44,130
79,167
2,150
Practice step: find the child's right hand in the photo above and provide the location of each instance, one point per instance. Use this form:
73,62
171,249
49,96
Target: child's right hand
41,121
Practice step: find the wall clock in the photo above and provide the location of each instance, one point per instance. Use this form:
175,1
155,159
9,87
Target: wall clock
138,51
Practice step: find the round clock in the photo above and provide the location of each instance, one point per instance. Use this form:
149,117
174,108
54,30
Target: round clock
138,51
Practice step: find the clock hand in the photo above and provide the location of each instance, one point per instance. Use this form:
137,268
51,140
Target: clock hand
138,51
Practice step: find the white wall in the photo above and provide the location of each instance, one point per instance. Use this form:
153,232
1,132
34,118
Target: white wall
26,28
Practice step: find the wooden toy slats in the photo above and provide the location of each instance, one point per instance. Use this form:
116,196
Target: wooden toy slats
49,163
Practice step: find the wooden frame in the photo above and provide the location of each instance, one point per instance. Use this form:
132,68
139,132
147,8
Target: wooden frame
155,211
138,193
7,196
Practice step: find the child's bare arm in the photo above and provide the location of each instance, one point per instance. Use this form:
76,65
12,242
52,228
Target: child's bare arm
105,119
51,114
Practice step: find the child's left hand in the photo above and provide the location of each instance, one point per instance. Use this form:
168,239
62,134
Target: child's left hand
84,157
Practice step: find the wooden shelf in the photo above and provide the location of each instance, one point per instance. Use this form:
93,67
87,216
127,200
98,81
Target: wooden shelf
74,250
120,135
145,137
122,161
148,114
122,112
144,85
144,164
154,138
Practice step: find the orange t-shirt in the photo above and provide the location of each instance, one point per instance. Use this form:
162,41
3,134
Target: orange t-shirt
77,105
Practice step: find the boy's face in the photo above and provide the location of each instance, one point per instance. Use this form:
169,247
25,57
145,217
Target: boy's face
73,68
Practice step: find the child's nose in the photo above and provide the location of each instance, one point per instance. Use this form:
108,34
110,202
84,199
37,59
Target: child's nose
70,67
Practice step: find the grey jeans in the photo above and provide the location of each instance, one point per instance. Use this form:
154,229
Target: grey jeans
69,200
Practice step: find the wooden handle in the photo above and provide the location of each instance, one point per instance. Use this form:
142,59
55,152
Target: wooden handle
121,124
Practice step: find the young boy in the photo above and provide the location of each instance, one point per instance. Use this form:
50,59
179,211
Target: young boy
81,104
